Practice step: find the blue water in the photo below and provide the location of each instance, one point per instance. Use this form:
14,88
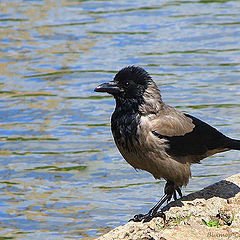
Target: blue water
61,174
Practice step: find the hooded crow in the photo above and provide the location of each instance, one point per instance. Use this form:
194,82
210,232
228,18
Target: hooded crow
156,137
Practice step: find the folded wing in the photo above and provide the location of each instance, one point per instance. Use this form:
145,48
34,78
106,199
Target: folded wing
189,139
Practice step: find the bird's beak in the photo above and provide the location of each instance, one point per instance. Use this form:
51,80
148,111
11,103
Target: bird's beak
110,87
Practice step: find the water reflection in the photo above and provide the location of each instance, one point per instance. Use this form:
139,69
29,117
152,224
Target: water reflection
61,175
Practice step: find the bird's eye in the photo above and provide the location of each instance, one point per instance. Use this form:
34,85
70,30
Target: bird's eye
126,84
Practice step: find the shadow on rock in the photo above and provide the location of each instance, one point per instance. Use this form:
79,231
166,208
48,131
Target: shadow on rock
223,189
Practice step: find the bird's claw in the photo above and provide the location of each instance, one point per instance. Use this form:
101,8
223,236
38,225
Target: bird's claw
147,217
138,218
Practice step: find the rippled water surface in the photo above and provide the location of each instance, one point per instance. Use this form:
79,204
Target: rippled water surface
61,174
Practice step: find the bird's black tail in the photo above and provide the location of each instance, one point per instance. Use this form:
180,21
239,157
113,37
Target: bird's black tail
233,144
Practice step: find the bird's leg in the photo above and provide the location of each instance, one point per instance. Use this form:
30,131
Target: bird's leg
170,191
179,192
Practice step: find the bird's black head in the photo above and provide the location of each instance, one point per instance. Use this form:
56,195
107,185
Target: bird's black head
129,83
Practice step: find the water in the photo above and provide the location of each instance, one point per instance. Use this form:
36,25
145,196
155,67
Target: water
61,174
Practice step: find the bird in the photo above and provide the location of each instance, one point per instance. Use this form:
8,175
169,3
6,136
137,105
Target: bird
156,137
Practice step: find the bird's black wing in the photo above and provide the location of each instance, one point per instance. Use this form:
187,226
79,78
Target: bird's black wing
198,142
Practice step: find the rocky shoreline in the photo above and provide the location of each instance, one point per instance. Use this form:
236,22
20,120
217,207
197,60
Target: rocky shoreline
211,213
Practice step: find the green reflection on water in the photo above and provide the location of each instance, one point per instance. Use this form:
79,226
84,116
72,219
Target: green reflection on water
207,175
128,185
3,152
27,139
202,106
13,20
198,51
68,72
90,97
3,238
119,33
59,169
8,183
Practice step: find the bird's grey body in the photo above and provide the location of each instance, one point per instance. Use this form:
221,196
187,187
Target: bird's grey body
158,138
144,150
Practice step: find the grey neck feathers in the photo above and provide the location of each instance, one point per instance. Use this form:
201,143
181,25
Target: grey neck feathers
152,101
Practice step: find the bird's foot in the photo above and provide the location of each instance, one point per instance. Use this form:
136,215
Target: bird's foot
148,217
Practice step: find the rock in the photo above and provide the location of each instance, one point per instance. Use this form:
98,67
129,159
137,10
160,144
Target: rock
211,213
